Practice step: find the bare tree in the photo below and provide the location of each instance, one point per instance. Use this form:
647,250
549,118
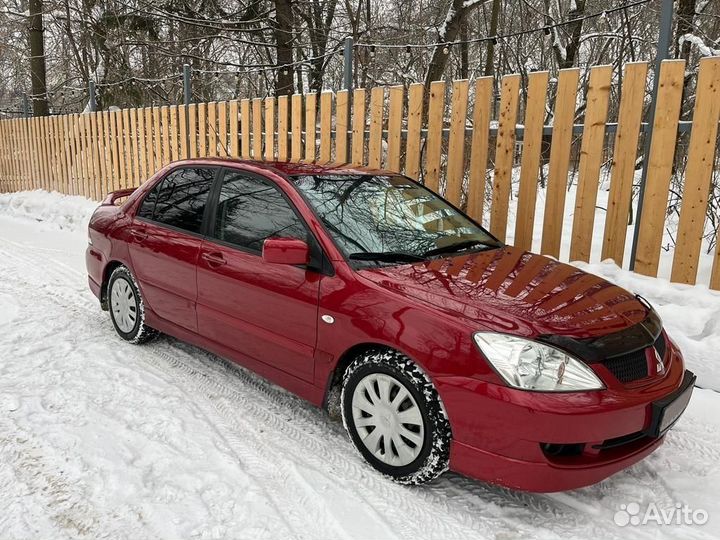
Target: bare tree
37,58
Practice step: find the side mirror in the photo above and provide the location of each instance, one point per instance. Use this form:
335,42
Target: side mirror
285,251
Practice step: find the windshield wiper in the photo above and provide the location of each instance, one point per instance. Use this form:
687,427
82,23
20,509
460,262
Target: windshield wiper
459,246
385,256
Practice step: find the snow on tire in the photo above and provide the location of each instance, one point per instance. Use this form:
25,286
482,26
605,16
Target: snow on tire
395,417
127,309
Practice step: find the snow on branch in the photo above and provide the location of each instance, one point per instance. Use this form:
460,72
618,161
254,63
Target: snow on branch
697,41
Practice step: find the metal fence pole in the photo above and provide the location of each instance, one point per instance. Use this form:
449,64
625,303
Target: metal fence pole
92,103
666,20
187,98
348,63
187,91
26,106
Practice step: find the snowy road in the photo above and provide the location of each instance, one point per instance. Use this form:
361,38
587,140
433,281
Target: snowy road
99,438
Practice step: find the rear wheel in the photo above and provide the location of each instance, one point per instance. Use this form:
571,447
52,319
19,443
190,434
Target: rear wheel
394,417
127,310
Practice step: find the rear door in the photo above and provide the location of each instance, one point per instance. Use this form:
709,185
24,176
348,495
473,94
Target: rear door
265,311
165,241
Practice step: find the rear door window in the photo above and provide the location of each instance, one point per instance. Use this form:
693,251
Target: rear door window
179,200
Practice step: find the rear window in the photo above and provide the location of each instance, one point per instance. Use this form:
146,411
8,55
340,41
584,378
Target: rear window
179,200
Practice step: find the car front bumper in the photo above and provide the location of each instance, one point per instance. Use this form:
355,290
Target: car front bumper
547,442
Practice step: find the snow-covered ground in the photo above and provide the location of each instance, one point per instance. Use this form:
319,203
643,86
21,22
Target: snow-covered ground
101,439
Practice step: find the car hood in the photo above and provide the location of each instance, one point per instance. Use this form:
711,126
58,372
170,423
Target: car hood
512,290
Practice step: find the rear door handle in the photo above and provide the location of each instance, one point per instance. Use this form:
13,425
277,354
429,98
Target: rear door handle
213,259
138,234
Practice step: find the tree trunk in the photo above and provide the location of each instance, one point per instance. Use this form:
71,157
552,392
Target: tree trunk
490,58
685,16
283,30
37,58
447,34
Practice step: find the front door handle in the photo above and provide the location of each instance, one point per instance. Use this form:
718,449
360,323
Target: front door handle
213,259
138,234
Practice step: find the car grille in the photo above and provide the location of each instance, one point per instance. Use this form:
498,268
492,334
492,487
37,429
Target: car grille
633,366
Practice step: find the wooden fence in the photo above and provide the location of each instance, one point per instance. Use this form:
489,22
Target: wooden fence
450,150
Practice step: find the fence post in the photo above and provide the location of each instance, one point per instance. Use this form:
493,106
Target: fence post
187,98
26,106
92,103
666,18
348,64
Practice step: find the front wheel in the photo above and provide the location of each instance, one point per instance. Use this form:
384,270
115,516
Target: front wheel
127,310
394,417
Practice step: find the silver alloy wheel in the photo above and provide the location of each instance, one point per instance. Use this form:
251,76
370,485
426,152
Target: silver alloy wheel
387,419
124,305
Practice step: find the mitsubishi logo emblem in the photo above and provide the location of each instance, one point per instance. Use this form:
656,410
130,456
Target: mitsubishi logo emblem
659,366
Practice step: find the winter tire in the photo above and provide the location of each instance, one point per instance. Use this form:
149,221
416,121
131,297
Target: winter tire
127,310
395,418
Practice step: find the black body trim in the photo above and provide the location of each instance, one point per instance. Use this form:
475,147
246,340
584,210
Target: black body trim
596,350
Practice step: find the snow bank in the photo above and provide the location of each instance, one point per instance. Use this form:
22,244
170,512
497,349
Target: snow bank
57,211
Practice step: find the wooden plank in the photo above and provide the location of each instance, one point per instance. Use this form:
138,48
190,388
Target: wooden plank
173,133
416,95
377,104
157,127
698,174
97,190
222,128
193,130
89,181
202,130
283,112
149,130
310,126
563,119
623,163
358,127
591,156
49,135
660,162
234,131
479,147
245,128
342,125
67,158
42,141
434,141
183,121
73,159
114,156
296,114
138,145
212,138
530,161
135,148
504,155
456,142
108,151
326,127
125,156
270,129
257,139
395,118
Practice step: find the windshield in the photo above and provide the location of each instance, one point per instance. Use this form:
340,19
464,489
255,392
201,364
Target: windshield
389,219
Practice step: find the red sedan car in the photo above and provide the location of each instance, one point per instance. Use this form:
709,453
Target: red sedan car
363,291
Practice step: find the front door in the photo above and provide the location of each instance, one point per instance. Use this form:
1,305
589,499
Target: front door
265,311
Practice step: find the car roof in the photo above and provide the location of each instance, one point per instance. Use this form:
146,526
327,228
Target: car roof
288,168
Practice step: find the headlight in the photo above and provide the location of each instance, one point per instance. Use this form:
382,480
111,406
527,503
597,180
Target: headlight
529,365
